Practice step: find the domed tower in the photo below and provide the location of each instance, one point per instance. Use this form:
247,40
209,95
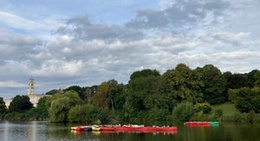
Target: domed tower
31,86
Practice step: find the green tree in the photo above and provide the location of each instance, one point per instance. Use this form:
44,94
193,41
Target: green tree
247,99
237,81
20,103
228,75
257,79
77,89
183,111
118,96
115,92
252,78
214,89
100,99
59,105
87,114
144,73
59,109
89,94
243,100
52,92
140,94
3,108
41,111
183,84
232,94
157,96
79,113
109,95
72,95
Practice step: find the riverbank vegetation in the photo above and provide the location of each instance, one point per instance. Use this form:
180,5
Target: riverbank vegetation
149,97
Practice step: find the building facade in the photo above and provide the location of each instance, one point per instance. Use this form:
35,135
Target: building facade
34,98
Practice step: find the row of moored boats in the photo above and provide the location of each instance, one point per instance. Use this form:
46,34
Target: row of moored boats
141,128
126,128
201,123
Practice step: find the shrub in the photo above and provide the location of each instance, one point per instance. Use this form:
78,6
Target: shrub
218,113
204,107
183,111
87,114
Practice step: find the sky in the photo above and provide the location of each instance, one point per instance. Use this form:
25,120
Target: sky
62,43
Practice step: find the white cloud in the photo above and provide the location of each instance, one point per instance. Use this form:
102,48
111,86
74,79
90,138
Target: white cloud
18,22
11,84
59,68
83,51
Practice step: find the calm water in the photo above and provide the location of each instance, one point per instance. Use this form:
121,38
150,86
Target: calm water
44,131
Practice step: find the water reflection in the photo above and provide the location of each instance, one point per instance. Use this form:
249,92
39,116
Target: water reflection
13,131
44,131
5,129
32,131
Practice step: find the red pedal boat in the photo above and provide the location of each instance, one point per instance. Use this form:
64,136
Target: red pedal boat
106,128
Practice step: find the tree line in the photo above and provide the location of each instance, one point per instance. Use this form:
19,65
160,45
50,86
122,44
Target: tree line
150,97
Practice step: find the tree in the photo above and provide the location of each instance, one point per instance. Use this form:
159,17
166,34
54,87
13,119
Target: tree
59,105
183,84
3,108
144,73
20,103
214,89
87,114
41,111
100,99
118,96
140,93
236,81
109,95
253,77
257,79
247,99
115,92
52,92
77,89
89,94
59,109
157,96
72,95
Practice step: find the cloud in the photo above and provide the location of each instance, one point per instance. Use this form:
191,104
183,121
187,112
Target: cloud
17,46
17,22
58,68
179,15
87,51
106,48
11,84
81,28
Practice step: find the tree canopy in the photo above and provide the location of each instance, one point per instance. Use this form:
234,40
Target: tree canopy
20,103
178,93
3,108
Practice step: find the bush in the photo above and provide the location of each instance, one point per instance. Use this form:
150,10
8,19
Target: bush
183,112
218,113
251,116
87,114
158,115
204,107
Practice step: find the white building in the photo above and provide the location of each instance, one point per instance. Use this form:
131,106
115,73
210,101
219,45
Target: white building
34,98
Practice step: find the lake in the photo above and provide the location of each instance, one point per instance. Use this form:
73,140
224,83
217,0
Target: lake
44,131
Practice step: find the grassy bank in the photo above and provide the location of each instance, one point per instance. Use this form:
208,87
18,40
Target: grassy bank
231,114
228,109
